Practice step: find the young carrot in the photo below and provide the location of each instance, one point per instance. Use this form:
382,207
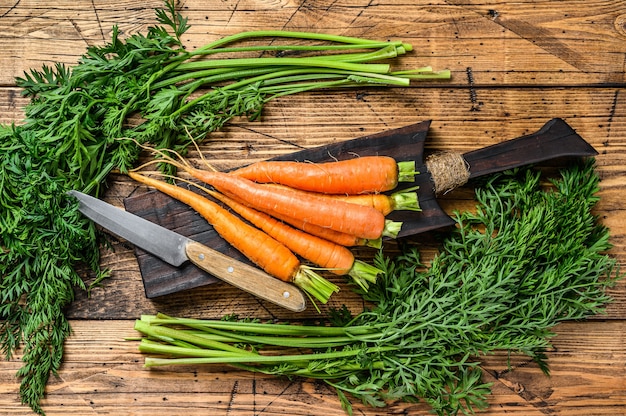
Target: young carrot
405,199
367,174
346,240
267,253
333,257
358,220
391,230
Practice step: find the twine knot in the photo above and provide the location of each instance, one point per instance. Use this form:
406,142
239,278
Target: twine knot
448,170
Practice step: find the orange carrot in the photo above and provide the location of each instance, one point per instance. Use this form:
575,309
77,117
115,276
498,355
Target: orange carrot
367,174
405,199
337,237
333,257
267,253
358,220
397,201
391,230
353,219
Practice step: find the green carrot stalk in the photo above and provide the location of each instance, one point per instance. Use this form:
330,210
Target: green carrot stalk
144,88
524,260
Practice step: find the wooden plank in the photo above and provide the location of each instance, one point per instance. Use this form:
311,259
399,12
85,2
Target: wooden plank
102,373
307,120
520,43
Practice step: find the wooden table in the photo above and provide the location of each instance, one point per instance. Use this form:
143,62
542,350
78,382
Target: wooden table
515,64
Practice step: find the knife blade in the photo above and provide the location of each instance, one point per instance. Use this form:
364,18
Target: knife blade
177,249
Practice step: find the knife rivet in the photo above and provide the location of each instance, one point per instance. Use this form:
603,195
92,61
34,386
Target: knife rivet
286,294
201,256
230,269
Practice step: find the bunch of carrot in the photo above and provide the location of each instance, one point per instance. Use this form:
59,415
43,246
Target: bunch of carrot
274,212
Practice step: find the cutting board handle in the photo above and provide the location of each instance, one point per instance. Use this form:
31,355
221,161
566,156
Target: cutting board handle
555,139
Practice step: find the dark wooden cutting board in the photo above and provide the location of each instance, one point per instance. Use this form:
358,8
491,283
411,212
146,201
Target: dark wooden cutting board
555,139
160,278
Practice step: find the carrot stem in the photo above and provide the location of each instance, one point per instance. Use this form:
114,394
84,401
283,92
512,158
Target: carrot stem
315,285
392,228
247,62
406,200
406,171
363,274
165,333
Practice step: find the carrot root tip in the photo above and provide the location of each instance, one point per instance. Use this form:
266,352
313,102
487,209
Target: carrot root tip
363,274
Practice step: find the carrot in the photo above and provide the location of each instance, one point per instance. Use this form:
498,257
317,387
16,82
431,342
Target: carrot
398,201
337,237
264,251
391,230
358,220
405,199
367,174
346,240
333,257
361,221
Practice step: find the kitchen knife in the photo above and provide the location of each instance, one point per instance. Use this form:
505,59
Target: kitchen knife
176,249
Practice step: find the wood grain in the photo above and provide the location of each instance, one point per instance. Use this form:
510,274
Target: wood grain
515,65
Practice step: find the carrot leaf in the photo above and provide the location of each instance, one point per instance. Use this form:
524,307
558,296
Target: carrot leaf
524,260
149,88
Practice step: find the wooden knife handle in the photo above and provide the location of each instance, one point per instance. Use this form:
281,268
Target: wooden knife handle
246,277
